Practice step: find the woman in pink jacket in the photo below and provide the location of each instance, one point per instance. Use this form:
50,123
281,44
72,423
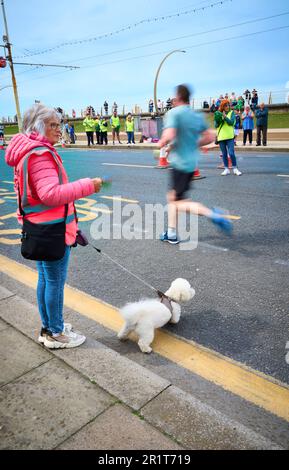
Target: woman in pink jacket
46,197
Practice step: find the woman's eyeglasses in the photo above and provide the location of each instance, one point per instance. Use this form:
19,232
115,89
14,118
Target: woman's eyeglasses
54,125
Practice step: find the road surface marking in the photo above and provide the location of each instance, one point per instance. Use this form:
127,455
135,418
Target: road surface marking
254,386
128,165
282,262
214,247
118,198
283,176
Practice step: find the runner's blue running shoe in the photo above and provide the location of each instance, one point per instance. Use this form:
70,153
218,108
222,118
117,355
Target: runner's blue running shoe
222,222
173,241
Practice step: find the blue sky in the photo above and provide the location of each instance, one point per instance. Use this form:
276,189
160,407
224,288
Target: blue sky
260,61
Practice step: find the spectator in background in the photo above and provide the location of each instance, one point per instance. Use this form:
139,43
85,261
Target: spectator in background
129,127
105,105
89,126
240,103
2,133
254,99
247,95
262,124
225,136
115,126
114,108
248,125
238,125
219,100
233,100
213,107
151,106
71,133
169,104
159,106
97,129
73,114
103,126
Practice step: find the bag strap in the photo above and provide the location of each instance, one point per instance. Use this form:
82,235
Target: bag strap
23,201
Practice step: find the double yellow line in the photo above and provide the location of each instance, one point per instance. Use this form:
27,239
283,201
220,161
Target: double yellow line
253,386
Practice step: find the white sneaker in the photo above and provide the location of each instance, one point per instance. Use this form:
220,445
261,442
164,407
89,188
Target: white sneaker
44,331
237,172
225,172
68,340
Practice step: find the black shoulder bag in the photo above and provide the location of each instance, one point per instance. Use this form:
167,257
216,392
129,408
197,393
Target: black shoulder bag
44,241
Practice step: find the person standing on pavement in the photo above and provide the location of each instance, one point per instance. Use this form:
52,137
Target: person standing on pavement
262,124
46,197
185,131
115,127
248,125
103,126
105,105
129,127
89,126
97,129
2,133
225,137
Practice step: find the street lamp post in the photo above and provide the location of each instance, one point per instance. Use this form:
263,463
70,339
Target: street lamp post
157,76
9,58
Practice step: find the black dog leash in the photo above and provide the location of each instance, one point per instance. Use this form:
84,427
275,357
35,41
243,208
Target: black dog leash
82,240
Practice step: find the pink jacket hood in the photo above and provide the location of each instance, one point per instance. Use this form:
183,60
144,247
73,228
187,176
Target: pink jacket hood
21,144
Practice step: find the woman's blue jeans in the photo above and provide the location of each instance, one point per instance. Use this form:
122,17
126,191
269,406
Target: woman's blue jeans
50,290
130,137
228,146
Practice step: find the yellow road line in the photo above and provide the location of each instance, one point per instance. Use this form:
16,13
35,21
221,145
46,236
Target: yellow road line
254,386
117,198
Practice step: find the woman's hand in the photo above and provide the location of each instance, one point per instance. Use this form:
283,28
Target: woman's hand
97,182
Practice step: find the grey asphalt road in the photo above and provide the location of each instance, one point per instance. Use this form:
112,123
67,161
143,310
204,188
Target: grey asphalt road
241,303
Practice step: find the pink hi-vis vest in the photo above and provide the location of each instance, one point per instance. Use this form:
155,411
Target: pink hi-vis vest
34,210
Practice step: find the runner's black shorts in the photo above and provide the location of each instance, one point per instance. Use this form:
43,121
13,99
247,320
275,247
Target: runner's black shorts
1,134
180,182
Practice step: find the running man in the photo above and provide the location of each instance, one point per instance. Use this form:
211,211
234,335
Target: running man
186,131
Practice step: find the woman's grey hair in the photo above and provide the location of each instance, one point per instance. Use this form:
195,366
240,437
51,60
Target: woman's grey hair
36,117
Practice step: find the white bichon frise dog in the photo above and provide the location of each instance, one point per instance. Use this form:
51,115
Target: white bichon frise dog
144,316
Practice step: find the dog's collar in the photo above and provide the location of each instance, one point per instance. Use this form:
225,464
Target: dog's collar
167,301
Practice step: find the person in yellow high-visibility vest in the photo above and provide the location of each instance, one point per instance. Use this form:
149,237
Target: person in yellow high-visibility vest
115,126
129,127
89,126
225,136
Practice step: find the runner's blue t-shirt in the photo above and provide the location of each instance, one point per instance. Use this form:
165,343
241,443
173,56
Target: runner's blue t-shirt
189,126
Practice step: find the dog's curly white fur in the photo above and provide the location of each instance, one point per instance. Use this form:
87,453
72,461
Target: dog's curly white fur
144,316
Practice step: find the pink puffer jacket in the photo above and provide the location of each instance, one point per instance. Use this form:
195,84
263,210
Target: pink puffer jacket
44,178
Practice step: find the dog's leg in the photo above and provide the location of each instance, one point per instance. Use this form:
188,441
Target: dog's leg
125,331
146,336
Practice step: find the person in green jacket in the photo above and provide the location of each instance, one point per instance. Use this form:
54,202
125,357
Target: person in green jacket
129,127
89,126
224,123
97,129
115,126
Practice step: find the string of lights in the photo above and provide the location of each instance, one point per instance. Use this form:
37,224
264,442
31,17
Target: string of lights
125,28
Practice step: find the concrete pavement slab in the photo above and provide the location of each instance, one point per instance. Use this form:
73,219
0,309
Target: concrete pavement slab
46,406
130,382
22,315
119,429
18,355
198,426
5,293
3,325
